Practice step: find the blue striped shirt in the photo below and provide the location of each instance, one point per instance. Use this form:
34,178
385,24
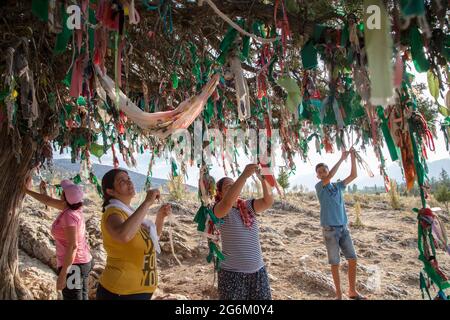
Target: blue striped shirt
240,245
332,206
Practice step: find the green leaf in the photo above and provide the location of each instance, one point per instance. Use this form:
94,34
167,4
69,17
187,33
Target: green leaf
174,169
81,101
444,111
174,78
80,141
292,6
76,179
293,92
433,84
68,108
447,99
3,95
97,150
208,113
68,78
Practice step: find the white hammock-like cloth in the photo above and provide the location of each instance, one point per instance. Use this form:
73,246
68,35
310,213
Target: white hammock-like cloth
234,25
164,123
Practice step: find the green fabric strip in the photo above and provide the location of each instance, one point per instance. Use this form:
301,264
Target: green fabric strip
412,8
428,268
63,38
245,48
93,21
421,63
40,9
309,56
227,44
418,164
387,134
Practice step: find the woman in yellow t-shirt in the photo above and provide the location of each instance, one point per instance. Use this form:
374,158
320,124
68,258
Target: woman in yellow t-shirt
131,243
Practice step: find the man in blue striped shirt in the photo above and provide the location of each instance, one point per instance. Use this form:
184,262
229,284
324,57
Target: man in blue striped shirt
333,219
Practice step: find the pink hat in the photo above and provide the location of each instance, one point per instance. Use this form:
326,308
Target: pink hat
73,193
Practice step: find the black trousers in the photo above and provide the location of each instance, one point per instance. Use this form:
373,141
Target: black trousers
77,282
103,294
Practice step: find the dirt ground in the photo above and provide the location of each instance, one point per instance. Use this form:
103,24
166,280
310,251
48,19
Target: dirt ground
294,252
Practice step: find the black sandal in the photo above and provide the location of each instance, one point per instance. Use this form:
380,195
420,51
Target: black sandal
357,297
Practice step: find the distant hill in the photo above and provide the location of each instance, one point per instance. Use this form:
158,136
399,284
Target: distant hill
66,168
394,171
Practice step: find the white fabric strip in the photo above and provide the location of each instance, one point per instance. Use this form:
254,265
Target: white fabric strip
150,225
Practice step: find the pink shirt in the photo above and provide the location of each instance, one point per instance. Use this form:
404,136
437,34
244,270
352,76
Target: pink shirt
71,218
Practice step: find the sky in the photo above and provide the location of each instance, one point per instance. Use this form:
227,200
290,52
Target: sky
304,171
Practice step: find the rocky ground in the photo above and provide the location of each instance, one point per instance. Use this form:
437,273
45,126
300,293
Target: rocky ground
291,241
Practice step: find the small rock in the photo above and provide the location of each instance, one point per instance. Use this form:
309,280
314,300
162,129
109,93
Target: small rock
291,232
319,253
409,243
264,229
176,236
277,242
170,296
411,279
88,202
444,216
180,210
283,206
386,237
395,291
396,256
313,282
366,288
305,260
272,278
366,253
409,219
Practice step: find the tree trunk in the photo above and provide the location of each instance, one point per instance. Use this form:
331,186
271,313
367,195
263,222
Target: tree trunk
13,175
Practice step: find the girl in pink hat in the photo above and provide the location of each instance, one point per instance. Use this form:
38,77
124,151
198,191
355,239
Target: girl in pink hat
73,257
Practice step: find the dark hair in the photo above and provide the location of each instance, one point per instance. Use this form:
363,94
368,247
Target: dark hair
219,186
219,183
72,206
321,165
108,183
75,206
